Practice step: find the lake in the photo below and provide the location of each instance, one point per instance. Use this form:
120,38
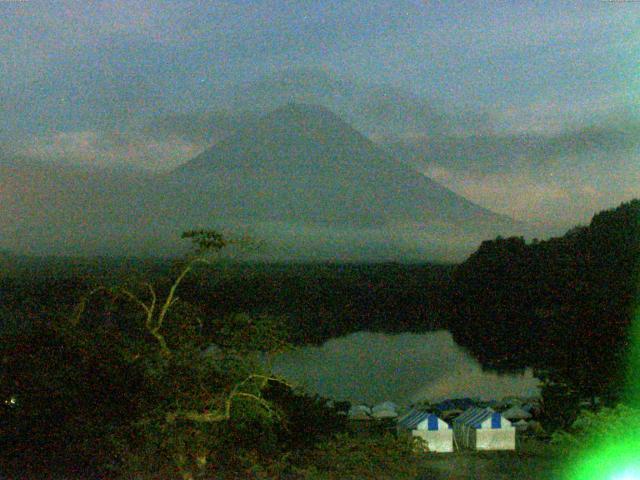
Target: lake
367,367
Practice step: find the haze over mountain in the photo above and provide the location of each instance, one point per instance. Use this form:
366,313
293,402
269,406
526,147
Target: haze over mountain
501,104
299,178
313,186
304,162
108,116
553,174
377,110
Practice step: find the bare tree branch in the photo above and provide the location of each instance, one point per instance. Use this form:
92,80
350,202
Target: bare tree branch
172,291
217,416
136,300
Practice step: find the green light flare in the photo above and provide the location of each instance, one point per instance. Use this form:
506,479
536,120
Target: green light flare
617,456
618,460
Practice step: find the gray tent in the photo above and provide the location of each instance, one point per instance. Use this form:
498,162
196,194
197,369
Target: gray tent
516,413
385,410
359,412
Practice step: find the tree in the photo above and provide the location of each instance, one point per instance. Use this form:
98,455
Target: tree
564,304
191,398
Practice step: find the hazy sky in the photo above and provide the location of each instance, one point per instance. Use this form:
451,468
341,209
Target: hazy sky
545,58
536,67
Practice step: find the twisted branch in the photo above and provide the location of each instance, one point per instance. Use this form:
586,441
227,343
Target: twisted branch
216,416
153,325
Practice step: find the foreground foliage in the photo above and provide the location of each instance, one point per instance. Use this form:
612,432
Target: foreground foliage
131,384
593,428
601,445
362,457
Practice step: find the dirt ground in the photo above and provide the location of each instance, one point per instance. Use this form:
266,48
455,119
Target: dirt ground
490,466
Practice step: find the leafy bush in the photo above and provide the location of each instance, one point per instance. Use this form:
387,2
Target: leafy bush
594,428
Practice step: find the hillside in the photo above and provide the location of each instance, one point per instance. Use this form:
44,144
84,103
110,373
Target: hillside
304,163
48,208
564,305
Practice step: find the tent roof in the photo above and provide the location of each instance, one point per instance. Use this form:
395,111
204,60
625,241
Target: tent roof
385,406
416,419
359,410
384,414
478,417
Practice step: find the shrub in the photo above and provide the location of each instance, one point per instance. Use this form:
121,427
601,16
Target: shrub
361,457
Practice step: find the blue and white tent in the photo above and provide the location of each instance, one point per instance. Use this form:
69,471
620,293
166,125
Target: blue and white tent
417,420
436,433
484,429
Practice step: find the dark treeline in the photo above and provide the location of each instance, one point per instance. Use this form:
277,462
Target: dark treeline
564,305
322,301
316,301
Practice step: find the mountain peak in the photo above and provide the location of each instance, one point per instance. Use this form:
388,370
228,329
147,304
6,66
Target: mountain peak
309,116
296,110
297,125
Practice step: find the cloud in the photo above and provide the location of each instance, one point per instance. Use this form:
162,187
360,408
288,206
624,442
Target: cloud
558,196
559,178
520,195
510,53
110,149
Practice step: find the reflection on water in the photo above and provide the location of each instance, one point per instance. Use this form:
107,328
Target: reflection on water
373,367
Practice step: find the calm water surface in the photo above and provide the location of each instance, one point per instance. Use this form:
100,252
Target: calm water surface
373,367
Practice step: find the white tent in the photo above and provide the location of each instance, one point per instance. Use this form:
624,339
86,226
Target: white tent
484,429
436,433
359,412
385,410
516,413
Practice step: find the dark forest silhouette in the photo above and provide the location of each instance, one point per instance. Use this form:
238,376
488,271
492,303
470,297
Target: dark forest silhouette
564,305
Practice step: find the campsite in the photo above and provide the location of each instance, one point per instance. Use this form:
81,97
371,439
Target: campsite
317,416
529,457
